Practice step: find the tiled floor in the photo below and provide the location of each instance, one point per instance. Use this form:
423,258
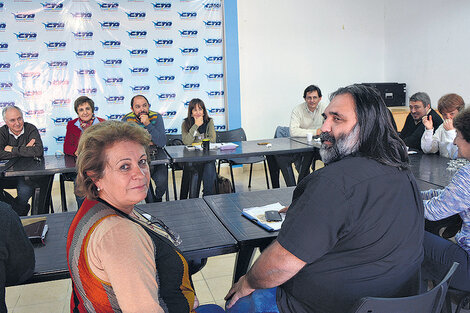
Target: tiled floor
211,283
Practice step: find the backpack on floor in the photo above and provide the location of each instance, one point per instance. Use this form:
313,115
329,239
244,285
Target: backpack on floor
224,185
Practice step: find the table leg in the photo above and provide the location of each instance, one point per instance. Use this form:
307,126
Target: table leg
244,257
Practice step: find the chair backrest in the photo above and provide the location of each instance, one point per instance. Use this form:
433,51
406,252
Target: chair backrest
428,302
230,135
174,140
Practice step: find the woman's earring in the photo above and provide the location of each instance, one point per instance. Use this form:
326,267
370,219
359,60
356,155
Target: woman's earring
98,188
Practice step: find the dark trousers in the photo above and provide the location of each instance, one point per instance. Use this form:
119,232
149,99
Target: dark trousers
193,173
283,163
439,255
159,175
24,192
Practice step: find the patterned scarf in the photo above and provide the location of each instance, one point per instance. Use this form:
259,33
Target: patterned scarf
84,125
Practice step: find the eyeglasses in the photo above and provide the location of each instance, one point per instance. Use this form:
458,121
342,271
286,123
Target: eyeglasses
158,226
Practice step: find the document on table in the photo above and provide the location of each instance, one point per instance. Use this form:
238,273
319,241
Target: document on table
256,214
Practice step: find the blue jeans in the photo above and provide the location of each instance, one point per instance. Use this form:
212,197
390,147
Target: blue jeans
260,301
209,308
439,255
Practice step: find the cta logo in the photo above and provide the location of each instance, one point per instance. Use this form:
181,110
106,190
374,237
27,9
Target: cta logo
110,25
55,45
171,130
216,111
3,27
24,17
5,86
3,46
166,96
139,71
214,76
83,35
136,16
189,51
213,24
110,6
219,127
214,59
50,6
32,93
137,34
115,117
113,81
213,41
168,114
59,82
185,104
82,15
191,86
59,139
85,72
112,62
54,26
61,121
162,24
212,6
32,75
143,88
34,112
165,61
188,33
5,67
84,54
87,91
55,65
115,99
111,44
60,102
6,104
26,36
165,79
190,68
28,56
187,15
215,93
42,131
162,6
136,53
163,43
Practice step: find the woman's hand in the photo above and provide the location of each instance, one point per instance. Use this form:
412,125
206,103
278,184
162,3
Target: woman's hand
427,122
196,302
284,209
199,121
448,124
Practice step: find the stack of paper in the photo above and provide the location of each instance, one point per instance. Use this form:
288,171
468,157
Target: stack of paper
256,215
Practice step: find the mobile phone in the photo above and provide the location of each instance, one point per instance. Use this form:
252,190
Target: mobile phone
273,216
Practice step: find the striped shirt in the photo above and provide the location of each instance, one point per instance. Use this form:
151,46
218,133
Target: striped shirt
454,199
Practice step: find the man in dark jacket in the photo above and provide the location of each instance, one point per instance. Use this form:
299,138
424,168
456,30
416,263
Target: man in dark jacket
18,139
420,106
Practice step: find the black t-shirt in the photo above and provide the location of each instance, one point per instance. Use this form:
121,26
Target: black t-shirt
359,226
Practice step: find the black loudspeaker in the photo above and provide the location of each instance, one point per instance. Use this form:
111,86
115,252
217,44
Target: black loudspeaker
393,94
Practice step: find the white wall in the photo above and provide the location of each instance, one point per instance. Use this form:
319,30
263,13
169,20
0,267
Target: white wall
427,46
288,45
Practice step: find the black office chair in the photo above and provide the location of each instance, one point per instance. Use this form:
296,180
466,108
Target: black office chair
461,297
239,135
428,302
174,140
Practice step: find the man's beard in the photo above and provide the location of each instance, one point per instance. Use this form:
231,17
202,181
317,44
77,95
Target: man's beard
142,113
342,146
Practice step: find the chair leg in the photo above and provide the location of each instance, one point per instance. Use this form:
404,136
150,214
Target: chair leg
233,181
63,197
174,182
266,173
251,171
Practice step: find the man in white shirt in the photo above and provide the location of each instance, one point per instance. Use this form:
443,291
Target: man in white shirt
305,118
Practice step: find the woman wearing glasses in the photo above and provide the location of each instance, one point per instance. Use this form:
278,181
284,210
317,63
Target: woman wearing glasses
119,259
